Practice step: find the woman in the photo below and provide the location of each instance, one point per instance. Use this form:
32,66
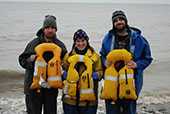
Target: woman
81,103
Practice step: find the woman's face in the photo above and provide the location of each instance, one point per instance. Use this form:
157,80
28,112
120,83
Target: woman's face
80,43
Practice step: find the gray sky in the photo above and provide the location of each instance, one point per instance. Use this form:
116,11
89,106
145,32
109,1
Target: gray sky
99,1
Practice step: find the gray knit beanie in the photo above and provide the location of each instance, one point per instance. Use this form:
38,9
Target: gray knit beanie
50,21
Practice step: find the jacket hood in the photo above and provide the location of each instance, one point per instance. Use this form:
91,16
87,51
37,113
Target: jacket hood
39,32
138,31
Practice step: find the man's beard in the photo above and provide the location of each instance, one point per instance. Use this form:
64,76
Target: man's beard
50,35
120,29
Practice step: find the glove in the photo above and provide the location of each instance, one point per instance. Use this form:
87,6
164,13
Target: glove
95,76
43,83
64,75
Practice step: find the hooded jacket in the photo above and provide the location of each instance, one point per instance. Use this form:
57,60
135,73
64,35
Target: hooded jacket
138,46
29,50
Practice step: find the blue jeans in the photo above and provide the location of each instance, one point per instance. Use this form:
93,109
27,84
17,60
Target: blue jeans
72,109
121,107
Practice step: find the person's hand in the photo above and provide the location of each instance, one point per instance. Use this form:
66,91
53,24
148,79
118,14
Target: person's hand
45,85
95,76
32,58
131,64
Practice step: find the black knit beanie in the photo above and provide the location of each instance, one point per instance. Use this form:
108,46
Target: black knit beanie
80,34
119,14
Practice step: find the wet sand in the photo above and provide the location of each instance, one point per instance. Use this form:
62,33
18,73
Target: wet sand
12,97
10,81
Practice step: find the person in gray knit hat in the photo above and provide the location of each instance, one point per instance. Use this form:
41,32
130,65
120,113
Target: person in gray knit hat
47,96
122,36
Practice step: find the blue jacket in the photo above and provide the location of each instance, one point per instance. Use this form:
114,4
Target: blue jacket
138,46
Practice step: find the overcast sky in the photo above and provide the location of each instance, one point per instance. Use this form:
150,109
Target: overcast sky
99,1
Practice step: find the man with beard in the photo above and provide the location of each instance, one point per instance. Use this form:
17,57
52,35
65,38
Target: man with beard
47,97
122,36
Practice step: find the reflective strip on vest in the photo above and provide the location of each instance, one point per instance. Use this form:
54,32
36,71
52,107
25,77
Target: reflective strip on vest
54,78
35,70
123,77
111,78
86,91
81,58
67,96
37,64
40,63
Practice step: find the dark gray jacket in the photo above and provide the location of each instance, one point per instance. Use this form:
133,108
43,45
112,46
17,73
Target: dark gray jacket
29,50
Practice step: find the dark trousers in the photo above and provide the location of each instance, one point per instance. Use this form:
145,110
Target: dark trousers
72,109
121,107
46,99
27,103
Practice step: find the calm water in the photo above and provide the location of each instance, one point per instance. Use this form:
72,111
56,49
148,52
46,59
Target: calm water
19,23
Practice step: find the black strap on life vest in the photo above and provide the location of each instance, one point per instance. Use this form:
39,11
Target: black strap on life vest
126,76
88,79
118,86
127,91
77,96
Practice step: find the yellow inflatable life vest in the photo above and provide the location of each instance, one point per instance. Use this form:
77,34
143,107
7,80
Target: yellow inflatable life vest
51,71
109,90
118,84
84,82
127,84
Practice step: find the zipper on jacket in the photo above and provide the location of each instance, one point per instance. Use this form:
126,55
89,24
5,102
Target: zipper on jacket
126,77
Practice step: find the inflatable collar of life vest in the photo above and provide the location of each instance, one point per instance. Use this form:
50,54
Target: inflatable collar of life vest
75,83
118,84
50,72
